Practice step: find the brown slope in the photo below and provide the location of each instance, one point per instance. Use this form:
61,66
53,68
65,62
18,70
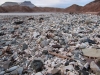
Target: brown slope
98,13
73,8
2,9
47,9
92,6
17,8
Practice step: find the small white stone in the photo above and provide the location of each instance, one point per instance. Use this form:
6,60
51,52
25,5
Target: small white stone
35,34
39,73
86,65
69,67
61,49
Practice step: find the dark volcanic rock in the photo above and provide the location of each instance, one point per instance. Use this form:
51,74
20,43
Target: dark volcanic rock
25,46
18,22
56,46
37,65
2,33
45,52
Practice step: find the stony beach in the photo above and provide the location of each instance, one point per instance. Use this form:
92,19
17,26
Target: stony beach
50,44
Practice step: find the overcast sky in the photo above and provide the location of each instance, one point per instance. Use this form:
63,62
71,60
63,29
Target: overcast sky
52,3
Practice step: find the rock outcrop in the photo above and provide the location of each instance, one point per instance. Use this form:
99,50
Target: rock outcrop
27,3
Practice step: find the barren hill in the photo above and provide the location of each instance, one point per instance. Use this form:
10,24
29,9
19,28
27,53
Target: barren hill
73,8
9,4
17,8
2,9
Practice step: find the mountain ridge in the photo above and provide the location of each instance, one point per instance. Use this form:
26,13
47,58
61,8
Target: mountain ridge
25,3
27,6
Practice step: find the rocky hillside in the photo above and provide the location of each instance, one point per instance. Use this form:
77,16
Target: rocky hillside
92,6
2,9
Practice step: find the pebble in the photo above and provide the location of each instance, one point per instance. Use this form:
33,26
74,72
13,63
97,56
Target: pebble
44,43
39,73
37,65
25,46
12,68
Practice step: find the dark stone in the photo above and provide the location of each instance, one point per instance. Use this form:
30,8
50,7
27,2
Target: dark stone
8,50
77,67
98,36
19,22
86,69
89,41
82,72
25,46
50,56
67,63
45,52
56,46
67,70
1,69
31,19
37,65
14,41
48,74
15,18
71,60
2,33
41,20
55,51
21,53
